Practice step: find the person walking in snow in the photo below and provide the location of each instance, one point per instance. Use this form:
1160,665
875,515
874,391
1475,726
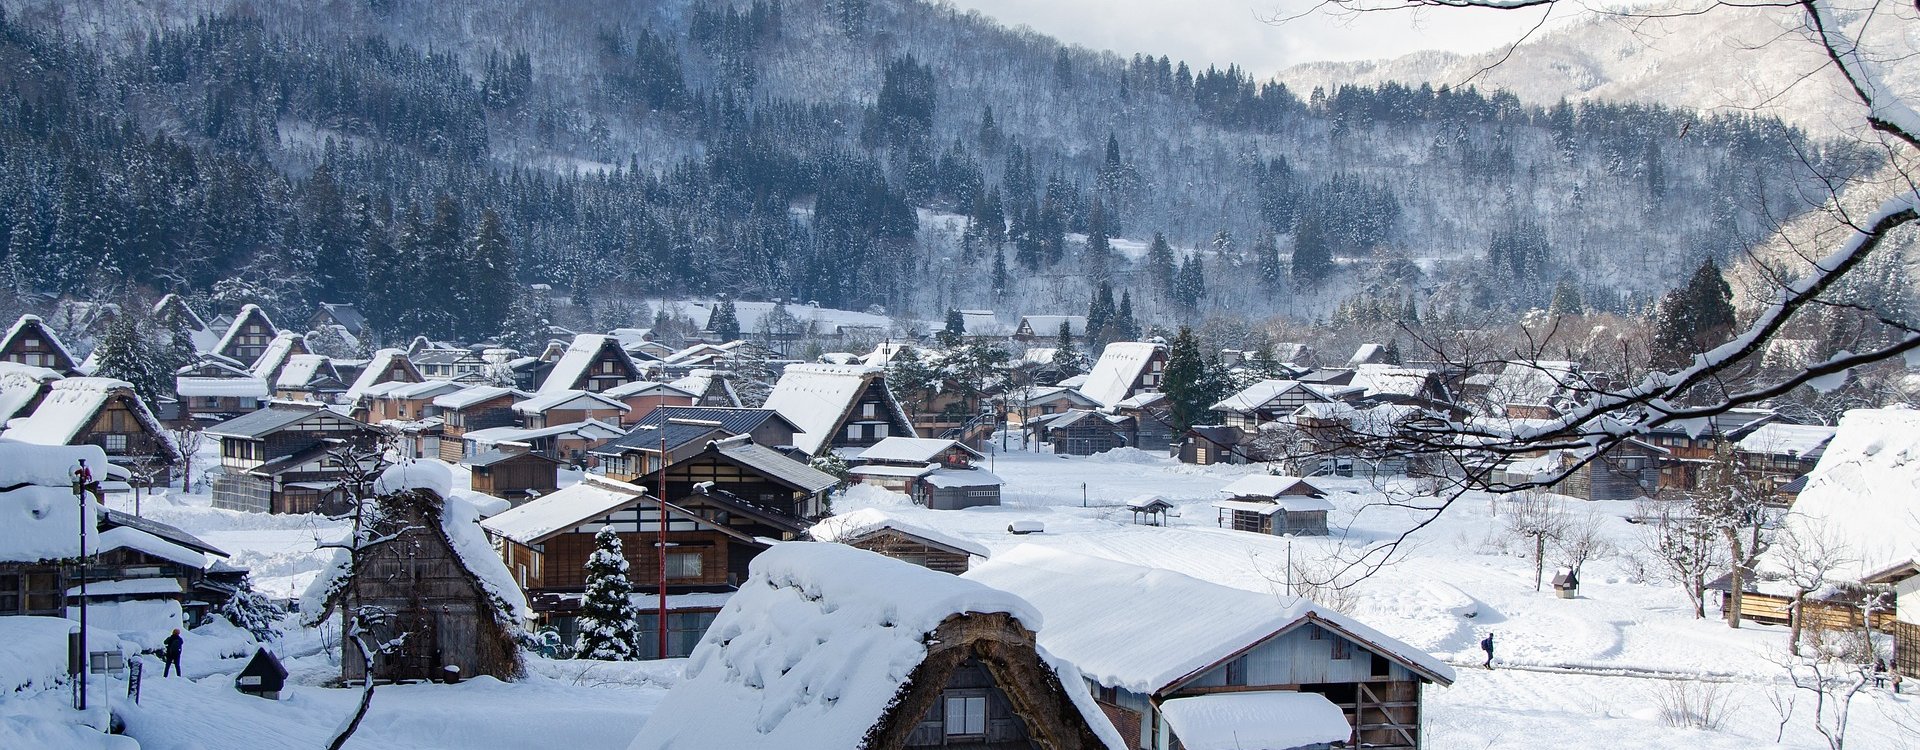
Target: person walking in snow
1486,644
170,653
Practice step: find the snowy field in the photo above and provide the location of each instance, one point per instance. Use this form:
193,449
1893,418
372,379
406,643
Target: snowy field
1587,672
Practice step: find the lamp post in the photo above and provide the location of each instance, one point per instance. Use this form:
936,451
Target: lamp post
83,481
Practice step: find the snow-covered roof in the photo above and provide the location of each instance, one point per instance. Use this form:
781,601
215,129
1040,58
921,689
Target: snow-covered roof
568,399
1148,501
278,354
1258,395
1864,494
20,384
1113,377
882,470
240,320
1267,485
816,648
129,586
1049,325
1258,720
474,395
579,356
647,387
1377,379
815,397
127,537
916,450
848,528
39,516
71,406
221,387
1789,439
1530,382
376,369
592,429
1134,627
541,517
950,478
699,381
302,369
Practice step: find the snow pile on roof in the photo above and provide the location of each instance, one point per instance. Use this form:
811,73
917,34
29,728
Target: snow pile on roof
460,521
1266,485
813,650
1865,492
950,478
1048,326
19,384
375,370
1379,379
1133,627
1530,382
699,381
815,397
914,450
70,407
1120,366
563,509
278,354
301,370
474,395
247,312
52,338
1263,720
191,386
127,537
1789,439
39,517
847,528
569,398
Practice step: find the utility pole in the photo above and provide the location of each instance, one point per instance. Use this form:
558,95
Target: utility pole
82,482
661,548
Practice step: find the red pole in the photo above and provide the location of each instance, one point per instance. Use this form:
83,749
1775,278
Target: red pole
661,560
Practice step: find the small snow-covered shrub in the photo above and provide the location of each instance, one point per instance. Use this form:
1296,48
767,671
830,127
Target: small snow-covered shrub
1694,705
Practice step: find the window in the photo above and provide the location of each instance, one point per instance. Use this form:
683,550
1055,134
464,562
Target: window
9,593
114,443
869,410
43,592
853,432
1381,667
966,714
684,564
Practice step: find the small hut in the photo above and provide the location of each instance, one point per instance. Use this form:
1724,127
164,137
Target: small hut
1566,583
433,585
263,676
1149,510
828,646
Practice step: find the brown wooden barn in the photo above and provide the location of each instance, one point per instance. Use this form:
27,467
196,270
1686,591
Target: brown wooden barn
514,477
838,406
434,581
103,412
874,530
1082,432
247,337
480,407
276,460
1268,504
592,363
30,342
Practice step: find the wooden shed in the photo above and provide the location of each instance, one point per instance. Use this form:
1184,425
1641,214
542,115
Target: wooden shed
874,530
514,477
1268,504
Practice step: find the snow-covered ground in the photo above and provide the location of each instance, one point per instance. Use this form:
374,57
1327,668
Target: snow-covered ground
1587,672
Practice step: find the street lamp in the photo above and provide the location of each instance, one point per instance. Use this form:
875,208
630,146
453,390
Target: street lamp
82,484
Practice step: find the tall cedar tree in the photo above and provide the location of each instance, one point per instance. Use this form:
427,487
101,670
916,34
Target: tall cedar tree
609,620
1099,255
1160,264
491,278
1312,258
1693,318
1267,253
1066,356
129,354
999,271
955,330
1125,328
1100,317
1187,385
725,320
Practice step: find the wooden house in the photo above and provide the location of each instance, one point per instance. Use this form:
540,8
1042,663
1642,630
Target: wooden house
591,363
309,377
1694,444
458,365
1205,445
387,366
173,315
347,317
642,396
765,426
22,387
1040,402
1082,432
918,659
1268,504
141,560
278,352
936,472
1126,369
571,443
838,406
1395,384
1904,579
1271,401
30,341
877,531
478,407
103,412
44,527
638,453
1777,454
1043,328
405,401
276,460
737,466
514,477
1525,389
216,389
558,407
1275,661
247,336
712,535
1629,470
449,600
1152,417
709,388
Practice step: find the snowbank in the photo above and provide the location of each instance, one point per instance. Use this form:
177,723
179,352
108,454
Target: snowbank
813,649
44,523
1863,493
1252,721
33,654
862,496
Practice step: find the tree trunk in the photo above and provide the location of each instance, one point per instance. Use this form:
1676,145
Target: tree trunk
1699,594
1539,558
1794,621
1735,589
366,697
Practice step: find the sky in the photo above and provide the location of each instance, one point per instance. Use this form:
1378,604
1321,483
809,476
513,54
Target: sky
1219,32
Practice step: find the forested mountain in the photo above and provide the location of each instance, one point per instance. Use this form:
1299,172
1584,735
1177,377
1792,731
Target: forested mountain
428,159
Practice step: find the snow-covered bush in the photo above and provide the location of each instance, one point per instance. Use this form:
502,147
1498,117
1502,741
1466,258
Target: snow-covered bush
609,622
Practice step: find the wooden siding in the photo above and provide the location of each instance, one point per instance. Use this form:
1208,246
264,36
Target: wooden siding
1381,698
1771,609
901,547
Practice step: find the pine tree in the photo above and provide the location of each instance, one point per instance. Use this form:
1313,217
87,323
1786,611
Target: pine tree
609,620
1160,264
1125,326
955,330
490,274
999,272
725,320
1693,318
1566,298
1190,286
252,611
1066,356
1100,313
1189,386
128,354
1099,255
1267,253
1312,258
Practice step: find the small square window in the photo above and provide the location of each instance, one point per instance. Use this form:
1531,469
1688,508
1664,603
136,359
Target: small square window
684,565
966,715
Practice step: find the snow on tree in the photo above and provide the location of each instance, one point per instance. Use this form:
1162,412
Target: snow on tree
609,620
1066,356
128,353
253,612
725,320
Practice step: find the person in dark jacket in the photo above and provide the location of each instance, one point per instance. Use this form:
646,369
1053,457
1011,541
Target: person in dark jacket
170,652
1486,644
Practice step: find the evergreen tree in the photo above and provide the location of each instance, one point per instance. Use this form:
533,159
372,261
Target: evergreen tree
252,611
1066,356
1267,253
528,322
1190,287
127,353
1312,258
490,278
999,272
725,320
1160,264
1190,387
990,135
1100,312
955,330
1693,318
913,379
609,620
1566,298
1099,255
1125,326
